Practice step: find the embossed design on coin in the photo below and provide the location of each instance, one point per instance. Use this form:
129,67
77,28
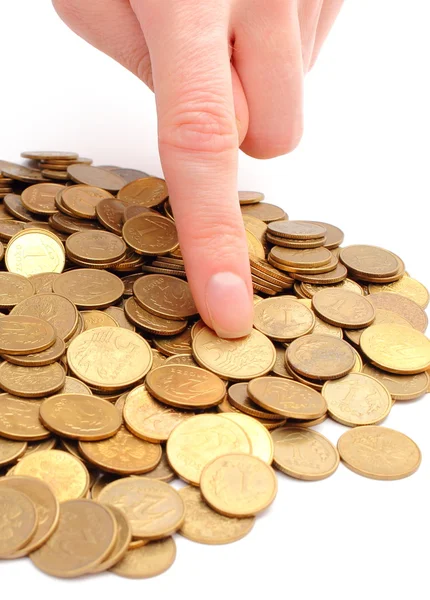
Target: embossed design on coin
406,286
165,296
369,261
25,335
150,234
148,560
19,419
57,310
343,308
406,308
35,251
18,521
89,288
283,319
40,198
146,191
32,382
401,387
318,356
14,289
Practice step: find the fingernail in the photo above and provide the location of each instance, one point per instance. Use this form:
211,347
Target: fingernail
229,305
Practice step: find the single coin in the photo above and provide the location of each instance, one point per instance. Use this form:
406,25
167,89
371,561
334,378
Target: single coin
147,192
150,234
177,344
401,387
66,475
93,319
43,282
406,286
10,451
121,544
381,316
80,417
343,308
379,452
181,359
304,454
286,242
81,200
123,453
239,399
118,314
370,261
396,348
238,485
405,307
264,211
129,175
279,367
95,246
32,382
147,561
331,277
283,319
185,387
54,174
68,223
261,441
165,296
89,288
200,439
47,508
57,310
109,358
305,259
19,521
205,526
9,228
49,155
110,214
21,173
95,176
35,251
40,198
241,359
162,472
357,399
74,386
297,230
134,210
25,335
250,197
39,359
319,356
14,289
150,322
310,289
19,419
85,537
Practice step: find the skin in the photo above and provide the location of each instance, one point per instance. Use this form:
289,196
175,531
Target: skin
227,74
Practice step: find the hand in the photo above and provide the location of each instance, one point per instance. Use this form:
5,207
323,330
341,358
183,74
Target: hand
226,73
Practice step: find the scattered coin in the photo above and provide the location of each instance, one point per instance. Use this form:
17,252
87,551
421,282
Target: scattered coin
94,176
155,294
122,542
25,335
283,319
405,307
32,251
19,419
95,246
264,211
148,560
406,286
147,192
238,398
152,323
10,451
401,387
19,521
369,261
31,382
381,316
13,289
343,308
89,288
57,310
318,356
40,198
261,442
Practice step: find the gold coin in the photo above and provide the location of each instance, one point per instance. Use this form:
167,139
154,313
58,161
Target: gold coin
121,544
304,453
181,359
101,247
146,191
310,289
11,450
19,521
287,398
32,382
401,387
165,296
255,247
323,328
89,288
19,419
239,399
25,335
150,322
371,261
149,419
396,349
153,508
177,344
158,359
39,359
264,211
238,485
205,526
406,308
279,367
34,251
343,308
256,227
97,318
74,386
148,560
293,258
109,358
320,357
49,155
85,536
80,417
242,359
200,439
14,289
379,453
406,286
163,471
118,314
40,198
150,234
381,316
283,319
65,474
261,441
250,197
123,453
47,444
95,176
357,399
42,282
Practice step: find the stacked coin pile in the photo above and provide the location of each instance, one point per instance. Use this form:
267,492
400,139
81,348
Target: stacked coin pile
113,386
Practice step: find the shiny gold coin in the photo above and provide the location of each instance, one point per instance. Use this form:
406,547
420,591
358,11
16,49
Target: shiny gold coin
60,312
200,439
287,398
264,211
238,398
47,508
379,453
40,198
343,308
406,286
94,319
178,344
162,472
401,387
238,485
261,442
149,419
119,315
25,335
95,246
279,367
81,200
165,296
304,453
396,348
305,259
110,214
310,289
89,288
94,176
126,358
14,289
49,155
255,247
382,316
146,191
357,399
205,526
74,386
283,319
121,544
406,308
153,508
19,419
147,561
158,359
318,356
372,261
150,322
65,474
181,359
297,230
19,521
85,536
241,359
250,197
80,417
35,251
39,359
11,450
256,227
123,453
150,234
32,382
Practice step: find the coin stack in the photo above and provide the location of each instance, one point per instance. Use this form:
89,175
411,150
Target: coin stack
113,387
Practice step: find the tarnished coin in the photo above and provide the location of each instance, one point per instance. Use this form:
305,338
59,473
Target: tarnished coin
283,319
93,319
238,485
66,475
183,386
379,452
95,176
14,289
121,544
318,356
40,198
9,228
357,399
21,173
261,442
241,359
238,398
206,526
19,521
165,296
264,211
381,316
85,536
109,358
11,450
19,419
16,208
35,251
312,257
95,246
396,348
406,286
369,261
123,453
200,439
32,382
110,214
57,310
129,175
89,288
25,335
405,307
147,192
401,387
343,308
177,344
150,322
120,317
148,560
304,454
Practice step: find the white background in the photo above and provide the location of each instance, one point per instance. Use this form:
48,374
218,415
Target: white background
363,165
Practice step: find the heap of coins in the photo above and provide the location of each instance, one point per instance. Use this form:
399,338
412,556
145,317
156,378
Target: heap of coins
113,387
